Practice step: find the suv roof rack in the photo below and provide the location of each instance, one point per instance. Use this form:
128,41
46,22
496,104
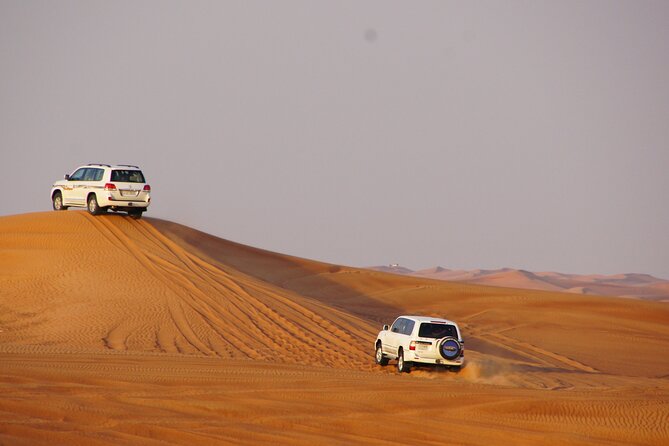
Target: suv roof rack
128,165
98,164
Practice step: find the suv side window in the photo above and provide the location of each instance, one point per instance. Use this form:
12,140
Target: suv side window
89,175
98,174
78,175
396,326
403,326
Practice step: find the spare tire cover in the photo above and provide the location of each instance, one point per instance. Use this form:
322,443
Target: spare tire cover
449,348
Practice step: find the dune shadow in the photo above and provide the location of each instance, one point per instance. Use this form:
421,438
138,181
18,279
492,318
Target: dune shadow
319,281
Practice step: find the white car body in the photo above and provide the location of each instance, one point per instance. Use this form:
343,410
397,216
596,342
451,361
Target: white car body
100,187
420,340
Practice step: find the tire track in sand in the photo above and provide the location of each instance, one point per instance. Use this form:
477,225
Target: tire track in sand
529,351
270,305
215,312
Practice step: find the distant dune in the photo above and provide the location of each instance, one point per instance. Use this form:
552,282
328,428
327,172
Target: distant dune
121,331
641,286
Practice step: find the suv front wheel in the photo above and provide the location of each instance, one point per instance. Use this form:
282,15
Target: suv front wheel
57,201
93,206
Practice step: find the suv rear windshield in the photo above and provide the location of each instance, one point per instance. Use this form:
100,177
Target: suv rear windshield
436,331
127,176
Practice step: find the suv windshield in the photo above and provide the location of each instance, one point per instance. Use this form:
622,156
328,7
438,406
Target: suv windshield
127,176
436,331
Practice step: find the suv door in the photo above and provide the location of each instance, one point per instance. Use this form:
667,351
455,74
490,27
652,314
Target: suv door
87,184
72,194
91,182
395,335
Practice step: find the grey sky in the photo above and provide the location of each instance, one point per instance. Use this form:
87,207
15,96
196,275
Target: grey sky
523,134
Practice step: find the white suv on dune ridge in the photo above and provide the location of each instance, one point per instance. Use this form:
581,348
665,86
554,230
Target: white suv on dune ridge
102,187
420,340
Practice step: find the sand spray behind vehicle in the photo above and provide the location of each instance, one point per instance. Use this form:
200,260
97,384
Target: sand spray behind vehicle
480,370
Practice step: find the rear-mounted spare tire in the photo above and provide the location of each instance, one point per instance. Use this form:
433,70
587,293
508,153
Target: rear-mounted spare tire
450,348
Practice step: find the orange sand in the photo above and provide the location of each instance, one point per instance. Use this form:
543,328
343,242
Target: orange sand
116,331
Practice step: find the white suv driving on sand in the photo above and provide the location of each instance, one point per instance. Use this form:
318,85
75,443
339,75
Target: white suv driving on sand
420,340
100,187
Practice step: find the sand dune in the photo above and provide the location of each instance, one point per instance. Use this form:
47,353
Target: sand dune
116,331
641,286
125,286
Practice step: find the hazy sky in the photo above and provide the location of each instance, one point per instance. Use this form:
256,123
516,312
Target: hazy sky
522,134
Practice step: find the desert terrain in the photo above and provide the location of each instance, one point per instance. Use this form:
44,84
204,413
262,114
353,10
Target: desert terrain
116,331
631,285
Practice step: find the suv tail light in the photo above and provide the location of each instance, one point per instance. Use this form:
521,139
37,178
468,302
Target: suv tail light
413,344
147,188
110,186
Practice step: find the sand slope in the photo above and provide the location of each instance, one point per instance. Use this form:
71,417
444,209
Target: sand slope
116,331
122,285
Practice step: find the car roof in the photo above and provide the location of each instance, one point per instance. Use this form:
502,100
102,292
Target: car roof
428,319
111,166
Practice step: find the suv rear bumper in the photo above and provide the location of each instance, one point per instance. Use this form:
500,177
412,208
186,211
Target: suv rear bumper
410,355
106,201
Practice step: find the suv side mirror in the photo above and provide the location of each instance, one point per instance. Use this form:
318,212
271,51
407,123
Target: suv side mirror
67,177
385,327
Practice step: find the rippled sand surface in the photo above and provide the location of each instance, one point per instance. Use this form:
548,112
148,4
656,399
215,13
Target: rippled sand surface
116,331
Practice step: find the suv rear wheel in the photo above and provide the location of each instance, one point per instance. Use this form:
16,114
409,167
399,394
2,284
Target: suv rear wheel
136,214
93,206
57,201
378,357
402,365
